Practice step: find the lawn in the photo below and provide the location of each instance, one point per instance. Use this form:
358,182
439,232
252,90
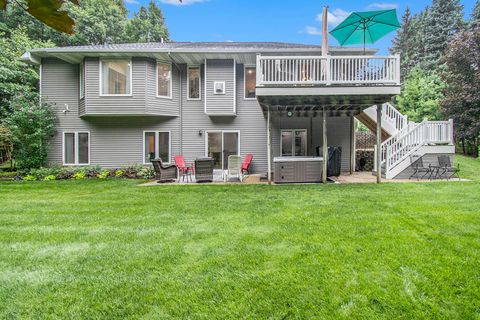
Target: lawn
111,249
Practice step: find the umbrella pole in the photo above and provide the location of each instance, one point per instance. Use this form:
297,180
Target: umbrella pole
364,38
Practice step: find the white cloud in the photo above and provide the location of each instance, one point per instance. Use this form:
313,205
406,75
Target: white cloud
314,31
182,3
383,6
334,17
131,1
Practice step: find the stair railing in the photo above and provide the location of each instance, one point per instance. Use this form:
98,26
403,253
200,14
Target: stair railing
394,117
406,142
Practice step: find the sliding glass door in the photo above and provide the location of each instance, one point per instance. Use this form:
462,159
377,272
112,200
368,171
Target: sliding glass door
220,145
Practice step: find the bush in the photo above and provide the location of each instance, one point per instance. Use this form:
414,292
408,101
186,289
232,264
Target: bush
119,173
64,173
49,178
104,174
29,178
79,175
31,125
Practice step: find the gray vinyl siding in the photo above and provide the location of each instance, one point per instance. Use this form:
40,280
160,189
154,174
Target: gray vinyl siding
115,105
427,159
160,105
118,141
114,141
250,121
220,70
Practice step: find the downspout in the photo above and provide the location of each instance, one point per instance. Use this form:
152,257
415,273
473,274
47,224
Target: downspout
180,102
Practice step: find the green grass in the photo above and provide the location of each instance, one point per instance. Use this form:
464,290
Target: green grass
110,249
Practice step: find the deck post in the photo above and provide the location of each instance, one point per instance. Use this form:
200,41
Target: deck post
324,147
352,146
269,148
378,160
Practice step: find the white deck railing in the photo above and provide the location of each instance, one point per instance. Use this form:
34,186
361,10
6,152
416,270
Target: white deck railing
327,70
405,143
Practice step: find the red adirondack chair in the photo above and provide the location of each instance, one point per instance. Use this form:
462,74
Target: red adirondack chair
182,167
246,164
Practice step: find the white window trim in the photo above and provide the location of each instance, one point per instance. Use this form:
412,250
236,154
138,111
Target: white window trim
293,143
75,148
215,84
245,83
82,80
101,61
200,83
156,145
222,132
171,80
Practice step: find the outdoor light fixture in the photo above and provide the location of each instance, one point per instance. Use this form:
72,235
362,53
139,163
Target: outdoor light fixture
289,113
66,109
200,132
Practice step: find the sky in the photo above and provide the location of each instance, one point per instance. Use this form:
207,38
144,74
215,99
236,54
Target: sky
296,21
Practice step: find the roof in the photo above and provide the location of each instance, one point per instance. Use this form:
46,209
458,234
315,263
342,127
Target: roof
185,52
199,47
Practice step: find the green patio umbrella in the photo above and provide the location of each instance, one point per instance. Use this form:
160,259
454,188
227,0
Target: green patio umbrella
366,27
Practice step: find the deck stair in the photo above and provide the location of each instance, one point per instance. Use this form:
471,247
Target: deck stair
417,139
404,141
392,120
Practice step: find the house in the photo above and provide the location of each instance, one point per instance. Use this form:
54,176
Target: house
124,104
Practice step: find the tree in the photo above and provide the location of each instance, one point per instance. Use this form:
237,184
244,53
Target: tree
475,19
421,96
462,93
31,125
49,12
444,19
403,44
96,22
16,76
147,25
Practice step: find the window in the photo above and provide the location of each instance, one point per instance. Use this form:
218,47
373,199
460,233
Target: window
156,146
164,80
219,87
294,143
250,82
82,80
193,83
76,148
116,77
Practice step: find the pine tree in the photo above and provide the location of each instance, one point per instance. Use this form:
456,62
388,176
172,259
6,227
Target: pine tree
147,25
403,44
444,19
475,19
419,23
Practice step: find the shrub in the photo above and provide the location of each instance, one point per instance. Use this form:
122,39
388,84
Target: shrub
104,174
79,175
119,173
146,173
41,173
49,178
31,125
65,173
29,178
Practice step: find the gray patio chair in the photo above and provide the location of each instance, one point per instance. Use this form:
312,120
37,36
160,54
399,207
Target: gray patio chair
420,171
204,169
234,168
446,169
164,173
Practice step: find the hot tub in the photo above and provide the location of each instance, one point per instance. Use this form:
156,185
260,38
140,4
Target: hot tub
297,169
